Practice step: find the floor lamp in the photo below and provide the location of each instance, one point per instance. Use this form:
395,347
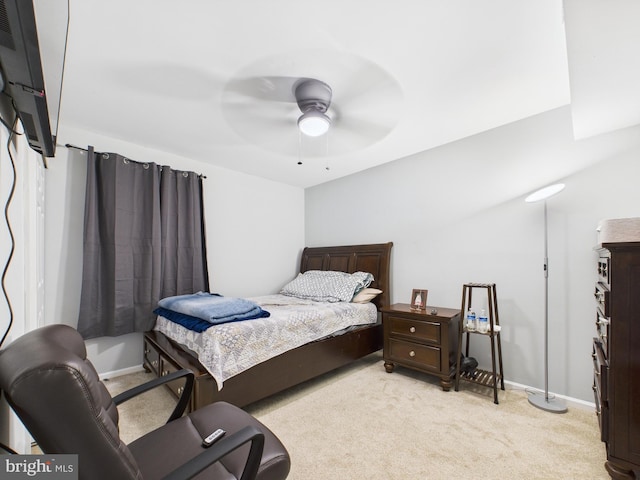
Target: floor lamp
553,404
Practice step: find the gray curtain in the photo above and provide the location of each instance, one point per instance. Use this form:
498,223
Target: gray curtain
144,239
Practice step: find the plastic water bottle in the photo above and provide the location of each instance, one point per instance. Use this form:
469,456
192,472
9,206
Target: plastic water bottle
483,322
471,320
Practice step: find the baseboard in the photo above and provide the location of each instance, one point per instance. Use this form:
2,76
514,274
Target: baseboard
119,373
575,402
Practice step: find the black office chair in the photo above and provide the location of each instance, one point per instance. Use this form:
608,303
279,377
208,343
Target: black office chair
56,392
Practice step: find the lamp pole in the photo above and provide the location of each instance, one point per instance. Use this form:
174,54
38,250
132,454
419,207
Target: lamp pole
553,404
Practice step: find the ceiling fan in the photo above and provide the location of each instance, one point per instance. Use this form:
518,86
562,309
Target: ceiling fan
313,98
345,104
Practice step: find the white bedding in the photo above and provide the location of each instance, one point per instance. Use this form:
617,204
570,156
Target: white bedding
230,348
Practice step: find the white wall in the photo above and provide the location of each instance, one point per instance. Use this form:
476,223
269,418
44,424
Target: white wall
255,232
456,214
21,311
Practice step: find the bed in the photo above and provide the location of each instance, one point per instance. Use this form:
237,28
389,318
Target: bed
163,355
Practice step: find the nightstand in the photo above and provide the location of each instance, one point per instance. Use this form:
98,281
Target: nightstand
421,340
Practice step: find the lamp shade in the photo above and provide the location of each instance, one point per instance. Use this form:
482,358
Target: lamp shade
314,123
545,193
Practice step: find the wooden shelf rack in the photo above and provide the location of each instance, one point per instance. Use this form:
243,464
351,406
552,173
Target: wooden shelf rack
486,378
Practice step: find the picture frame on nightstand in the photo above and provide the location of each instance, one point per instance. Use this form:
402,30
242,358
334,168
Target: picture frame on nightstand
419,299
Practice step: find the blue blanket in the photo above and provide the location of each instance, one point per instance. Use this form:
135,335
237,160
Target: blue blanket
192,323
211,308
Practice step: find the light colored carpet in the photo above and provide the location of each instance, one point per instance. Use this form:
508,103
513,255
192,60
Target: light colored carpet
363,423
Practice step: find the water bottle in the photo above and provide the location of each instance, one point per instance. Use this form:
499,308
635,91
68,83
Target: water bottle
483,322
471,320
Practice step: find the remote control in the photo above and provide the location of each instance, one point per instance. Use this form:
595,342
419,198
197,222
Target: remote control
214,437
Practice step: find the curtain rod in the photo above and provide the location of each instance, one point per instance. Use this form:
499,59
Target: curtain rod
68,145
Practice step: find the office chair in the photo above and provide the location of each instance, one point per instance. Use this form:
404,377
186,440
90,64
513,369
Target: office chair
56,392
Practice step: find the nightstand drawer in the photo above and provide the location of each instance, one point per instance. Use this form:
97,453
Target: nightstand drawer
421,356
415,330
424,340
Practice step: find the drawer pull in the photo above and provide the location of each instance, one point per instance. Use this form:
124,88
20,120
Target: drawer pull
412,353
602,320
154,363
412,329
165,373
180,390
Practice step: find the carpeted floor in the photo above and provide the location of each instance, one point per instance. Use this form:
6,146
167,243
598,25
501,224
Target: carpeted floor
363,423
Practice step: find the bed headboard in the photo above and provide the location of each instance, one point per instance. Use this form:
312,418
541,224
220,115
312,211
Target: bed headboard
374,258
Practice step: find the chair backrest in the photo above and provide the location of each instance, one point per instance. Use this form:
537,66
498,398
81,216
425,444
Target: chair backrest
56,392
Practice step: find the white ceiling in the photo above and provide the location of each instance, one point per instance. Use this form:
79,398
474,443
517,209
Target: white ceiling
603,44
196,78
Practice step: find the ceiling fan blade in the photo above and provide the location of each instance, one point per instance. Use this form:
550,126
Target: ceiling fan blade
367,127
169,80
268,88
366,84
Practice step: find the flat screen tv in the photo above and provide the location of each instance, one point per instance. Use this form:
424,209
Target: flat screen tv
21,68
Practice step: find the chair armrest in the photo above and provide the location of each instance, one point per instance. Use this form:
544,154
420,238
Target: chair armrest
145,387
220,449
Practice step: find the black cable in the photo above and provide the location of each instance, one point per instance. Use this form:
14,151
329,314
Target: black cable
4,122
11,128
6,218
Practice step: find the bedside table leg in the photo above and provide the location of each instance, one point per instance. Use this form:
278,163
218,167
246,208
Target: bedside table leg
445,384
388,366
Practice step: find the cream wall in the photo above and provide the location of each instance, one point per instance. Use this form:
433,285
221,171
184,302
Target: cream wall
255,232
457,214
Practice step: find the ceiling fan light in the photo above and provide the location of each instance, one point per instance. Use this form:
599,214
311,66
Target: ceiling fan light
314,123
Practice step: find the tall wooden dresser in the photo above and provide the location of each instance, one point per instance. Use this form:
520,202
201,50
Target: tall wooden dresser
616,347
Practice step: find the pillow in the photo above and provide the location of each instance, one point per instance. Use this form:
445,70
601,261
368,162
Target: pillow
327,286
366,295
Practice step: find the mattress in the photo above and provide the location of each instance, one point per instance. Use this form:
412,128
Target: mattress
228,349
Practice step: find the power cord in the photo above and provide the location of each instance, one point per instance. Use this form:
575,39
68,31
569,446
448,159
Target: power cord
12,132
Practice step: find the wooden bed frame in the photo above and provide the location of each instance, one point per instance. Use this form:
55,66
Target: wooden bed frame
162,355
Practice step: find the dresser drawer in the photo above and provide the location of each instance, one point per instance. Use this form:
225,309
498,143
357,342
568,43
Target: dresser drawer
600,371
602,413
601,388
602,297
604,269
414,330
420,356
603,326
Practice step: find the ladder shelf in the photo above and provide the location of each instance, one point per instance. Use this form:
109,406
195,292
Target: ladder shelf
487,378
